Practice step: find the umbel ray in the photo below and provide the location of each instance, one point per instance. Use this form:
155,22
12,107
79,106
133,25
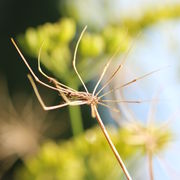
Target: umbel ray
72,97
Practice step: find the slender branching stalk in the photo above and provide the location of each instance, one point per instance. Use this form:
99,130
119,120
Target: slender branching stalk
118,157
72,97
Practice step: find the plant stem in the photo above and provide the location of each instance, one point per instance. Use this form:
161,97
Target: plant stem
111,144
150,166
75,116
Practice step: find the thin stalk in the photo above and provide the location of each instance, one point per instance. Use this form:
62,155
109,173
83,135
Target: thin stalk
75,116
150,166
111,144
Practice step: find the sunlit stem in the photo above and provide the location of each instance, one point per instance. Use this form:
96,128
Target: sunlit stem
126,173
74,58
110,107
150,163
109,80
103,73
119,67
130,82
57,84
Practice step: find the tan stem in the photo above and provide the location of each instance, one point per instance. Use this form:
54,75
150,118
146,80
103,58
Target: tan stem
111,144
150,166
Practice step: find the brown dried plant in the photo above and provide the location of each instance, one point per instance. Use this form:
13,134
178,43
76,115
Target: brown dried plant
73,97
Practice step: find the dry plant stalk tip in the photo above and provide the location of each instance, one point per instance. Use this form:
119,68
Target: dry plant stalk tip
73,97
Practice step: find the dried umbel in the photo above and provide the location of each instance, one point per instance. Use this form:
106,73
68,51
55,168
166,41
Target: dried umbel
73,97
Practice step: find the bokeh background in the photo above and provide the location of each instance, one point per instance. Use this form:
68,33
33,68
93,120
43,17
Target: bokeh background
67,143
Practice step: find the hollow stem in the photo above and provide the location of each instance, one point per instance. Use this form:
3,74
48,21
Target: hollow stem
126,173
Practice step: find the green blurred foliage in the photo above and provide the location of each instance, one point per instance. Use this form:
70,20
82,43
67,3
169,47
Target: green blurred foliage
88,156
116,37
59,40
152,16
61,37
85,157
92,45
56,55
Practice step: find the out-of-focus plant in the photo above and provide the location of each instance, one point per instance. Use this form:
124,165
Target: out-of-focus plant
151,140
84,157
56,55
22,128
152,16
111,13
88,157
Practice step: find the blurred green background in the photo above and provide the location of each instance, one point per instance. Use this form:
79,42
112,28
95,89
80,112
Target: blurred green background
67,143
